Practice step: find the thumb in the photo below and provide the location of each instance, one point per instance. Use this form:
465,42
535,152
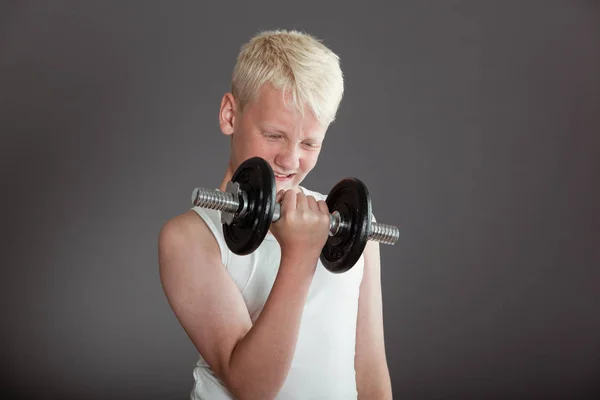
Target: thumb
279,196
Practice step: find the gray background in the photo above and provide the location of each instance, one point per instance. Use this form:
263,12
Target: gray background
474,123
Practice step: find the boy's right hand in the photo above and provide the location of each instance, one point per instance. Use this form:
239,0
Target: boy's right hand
303,227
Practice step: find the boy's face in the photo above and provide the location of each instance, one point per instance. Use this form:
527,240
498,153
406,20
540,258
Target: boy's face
270,129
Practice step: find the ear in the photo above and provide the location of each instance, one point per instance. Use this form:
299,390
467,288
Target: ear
227,114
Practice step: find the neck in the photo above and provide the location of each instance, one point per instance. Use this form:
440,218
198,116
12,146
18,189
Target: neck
227,177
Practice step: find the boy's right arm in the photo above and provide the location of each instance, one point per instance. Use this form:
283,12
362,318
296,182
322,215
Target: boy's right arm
252,360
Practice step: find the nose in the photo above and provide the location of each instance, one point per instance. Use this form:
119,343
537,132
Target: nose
288,159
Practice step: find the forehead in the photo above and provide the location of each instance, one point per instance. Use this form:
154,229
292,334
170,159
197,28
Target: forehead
276,111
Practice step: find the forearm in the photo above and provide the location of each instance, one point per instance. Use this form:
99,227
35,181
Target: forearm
260,362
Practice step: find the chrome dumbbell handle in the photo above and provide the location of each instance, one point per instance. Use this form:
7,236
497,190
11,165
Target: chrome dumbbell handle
228,203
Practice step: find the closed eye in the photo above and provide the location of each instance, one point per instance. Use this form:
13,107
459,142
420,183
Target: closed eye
272,135
312,145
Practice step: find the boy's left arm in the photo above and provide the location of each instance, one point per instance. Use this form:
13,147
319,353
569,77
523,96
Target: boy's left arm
372,373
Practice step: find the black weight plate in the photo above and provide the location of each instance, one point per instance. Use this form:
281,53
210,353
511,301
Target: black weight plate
350,197
256,178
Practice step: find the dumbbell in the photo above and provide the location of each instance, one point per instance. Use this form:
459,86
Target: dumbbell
248,208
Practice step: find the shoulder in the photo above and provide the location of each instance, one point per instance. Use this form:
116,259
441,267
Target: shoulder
187,235
182,226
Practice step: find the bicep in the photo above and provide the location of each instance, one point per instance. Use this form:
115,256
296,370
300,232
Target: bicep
204,298
370,361
370,309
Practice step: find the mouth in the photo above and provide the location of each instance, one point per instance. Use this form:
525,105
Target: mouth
283,177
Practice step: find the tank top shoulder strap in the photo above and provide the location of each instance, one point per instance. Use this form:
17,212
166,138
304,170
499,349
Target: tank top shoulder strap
212,218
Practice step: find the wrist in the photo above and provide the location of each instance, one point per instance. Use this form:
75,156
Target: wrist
300,257
298,264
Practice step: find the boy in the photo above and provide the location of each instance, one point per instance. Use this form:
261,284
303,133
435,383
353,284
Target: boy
275,323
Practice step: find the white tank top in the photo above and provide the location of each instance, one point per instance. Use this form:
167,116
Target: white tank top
323,363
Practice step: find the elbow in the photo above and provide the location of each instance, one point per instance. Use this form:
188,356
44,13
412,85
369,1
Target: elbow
250,387
254,382
247,377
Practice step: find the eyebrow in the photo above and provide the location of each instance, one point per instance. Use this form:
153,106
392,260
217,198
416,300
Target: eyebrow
274,128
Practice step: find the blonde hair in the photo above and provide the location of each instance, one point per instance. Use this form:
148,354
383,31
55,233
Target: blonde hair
296,63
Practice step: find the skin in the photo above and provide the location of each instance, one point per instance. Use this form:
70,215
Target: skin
271,130
253,360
